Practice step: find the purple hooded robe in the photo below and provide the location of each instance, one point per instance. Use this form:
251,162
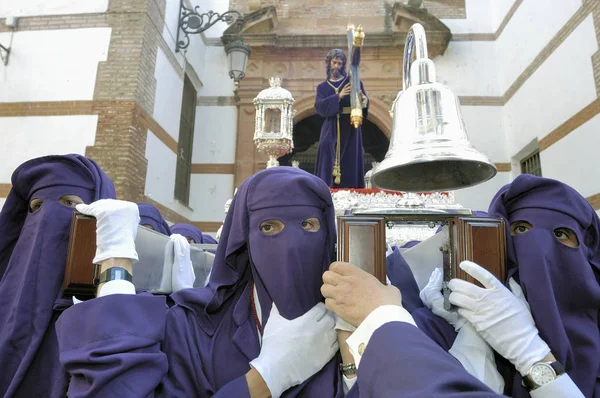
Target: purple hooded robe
150,215
561,283
33,252
210,335
189,231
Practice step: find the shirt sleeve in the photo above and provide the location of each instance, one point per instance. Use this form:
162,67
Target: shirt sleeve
562,386
112,287
477,357
357,342
348,383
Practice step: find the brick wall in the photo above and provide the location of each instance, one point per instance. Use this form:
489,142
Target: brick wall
125,89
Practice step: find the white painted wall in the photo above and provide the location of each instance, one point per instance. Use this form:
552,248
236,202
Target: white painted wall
480,196
168,97
499,11
486,131
216,69
22,8
479,18
489,68
209,194
25,138
215,127
561,87
574,159
53,65
160,177
469,68
216,134
530,29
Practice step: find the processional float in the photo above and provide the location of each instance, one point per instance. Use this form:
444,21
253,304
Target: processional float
152,273
429,152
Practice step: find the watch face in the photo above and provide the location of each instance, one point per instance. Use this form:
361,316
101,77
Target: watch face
542,373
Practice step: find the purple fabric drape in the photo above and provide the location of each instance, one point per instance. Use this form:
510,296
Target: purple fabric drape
33,252
561,283
150,215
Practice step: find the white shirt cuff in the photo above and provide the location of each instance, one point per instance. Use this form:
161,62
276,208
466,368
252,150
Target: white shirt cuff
358,341
112,287
117,287
563,386
348,383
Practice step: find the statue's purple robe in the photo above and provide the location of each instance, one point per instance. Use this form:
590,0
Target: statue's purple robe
328,105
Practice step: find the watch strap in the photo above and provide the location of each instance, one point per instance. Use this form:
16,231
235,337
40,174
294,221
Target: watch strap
114,274
348,369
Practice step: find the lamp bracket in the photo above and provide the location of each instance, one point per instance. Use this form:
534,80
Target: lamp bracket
193,22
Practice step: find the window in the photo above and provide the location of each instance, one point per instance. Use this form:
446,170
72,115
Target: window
186,139
532,165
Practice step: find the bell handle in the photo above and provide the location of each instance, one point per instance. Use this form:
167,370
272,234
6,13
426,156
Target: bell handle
415,40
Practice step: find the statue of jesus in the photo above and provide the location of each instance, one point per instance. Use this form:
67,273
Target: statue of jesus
333,103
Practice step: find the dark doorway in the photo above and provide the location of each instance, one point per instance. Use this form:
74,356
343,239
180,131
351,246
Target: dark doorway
306,142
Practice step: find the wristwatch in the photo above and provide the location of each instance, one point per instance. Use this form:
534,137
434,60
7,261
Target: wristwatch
114,274
541,374
348,369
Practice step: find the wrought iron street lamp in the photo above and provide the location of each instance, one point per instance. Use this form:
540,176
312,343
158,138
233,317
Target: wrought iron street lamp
193,22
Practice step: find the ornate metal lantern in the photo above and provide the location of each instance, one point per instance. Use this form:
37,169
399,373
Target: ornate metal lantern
273,128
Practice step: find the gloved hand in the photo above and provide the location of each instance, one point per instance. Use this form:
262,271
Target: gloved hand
116,228
499,316
431,296
182,275
292,351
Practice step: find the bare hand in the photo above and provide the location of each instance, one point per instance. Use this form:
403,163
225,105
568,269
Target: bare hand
363,97
353,293
345,91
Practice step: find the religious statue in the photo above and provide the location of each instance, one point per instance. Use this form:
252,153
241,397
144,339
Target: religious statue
342,101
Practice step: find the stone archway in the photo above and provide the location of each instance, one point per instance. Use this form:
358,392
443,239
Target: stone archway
378,112
306,141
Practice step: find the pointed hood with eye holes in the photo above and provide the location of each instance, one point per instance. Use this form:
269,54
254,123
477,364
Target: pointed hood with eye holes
150,215
286,268
33,252
561,284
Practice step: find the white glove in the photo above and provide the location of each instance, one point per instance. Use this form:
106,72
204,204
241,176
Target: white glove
431,296
292,351
183,276
499,316
116,228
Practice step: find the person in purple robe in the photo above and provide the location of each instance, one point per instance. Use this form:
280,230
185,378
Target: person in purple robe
150,217
192,233
333,104
259,327
546,322
34,234
553,243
